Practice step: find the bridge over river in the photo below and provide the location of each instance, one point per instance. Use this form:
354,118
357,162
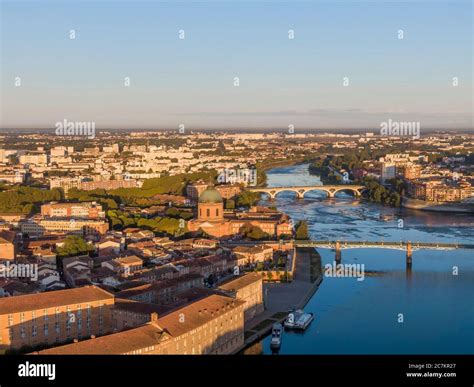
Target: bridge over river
408,246
300,191
381,244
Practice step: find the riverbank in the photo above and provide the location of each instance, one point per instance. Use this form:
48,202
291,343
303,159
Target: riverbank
371,307
414,204
283,163
280,298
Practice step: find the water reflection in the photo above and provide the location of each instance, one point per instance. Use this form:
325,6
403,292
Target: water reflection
362,316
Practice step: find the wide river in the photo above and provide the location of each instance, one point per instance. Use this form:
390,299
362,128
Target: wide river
427,311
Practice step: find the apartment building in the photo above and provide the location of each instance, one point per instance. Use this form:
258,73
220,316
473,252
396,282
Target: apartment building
212,325
37,225
54,317
252,254
91,210
439,191
163,291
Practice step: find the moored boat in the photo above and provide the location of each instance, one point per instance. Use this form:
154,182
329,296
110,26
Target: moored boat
298,320
277,331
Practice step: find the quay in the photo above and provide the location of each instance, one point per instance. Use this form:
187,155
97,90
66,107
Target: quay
280,298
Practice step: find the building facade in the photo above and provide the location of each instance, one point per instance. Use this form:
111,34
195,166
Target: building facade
212,325
54,317
38,225
7,245
91,210
249,289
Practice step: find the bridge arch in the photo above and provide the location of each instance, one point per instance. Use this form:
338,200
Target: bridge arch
299,195
354,191
300,192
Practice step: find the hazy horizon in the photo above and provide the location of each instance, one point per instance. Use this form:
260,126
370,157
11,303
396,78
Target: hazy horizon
346,66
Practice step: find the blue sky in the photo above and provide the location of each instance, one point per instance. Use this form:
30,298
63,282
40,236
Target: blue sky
282,81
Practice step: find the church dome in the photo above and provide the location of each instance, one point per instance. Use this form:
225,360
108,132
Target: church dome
210,195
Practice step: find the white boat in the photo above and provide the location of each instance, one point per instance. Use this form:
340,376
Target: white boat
298,320
277,330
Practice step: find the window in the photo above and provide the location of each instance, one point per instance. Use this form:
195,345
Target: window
46,329
56,311
33,316
10,320
10,334
217,212
208,212
22,333
22,317
45,314
34,331
56,327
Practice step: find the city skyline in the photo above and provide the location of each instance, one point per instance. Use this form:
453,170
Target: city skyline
282,81
259,178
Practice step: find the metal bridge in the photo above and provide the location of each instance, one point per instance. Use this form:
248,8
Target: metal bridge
381,244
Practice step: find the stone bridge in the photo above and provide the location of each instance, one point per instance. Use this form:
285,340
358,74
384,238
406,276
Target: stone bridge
330,190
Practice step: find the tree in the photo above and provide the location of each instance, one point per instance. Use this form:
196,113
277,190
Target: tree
259,266
230,204
74,245
253,232
247,199
302,230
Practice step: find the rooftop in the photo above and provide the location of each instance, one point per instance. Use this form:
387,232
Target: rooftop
197,314
115,344
52,299
240,282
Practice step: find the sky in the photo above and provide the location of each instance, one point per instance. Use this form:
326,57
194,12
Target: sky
345,67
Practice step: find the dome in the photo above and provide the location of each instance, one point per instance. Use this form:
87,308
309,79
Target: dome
210,195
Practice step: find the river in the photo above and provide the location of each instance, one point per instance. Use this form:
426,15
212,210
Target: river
428,310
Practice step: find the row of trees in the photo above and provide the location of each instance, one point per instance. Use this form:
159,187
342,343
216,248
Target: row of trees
26,200
167,225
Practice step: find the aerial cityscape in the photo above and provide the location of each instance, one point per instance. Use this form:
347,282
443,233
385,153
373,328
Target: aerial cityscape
215,179
107,239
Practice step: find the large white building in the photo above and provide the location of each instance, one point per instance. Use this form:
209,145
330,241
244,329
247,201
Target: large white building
389,171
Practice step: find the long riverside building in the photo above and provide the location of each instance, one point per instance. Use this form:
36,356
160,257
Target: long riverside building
54,317
212,325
